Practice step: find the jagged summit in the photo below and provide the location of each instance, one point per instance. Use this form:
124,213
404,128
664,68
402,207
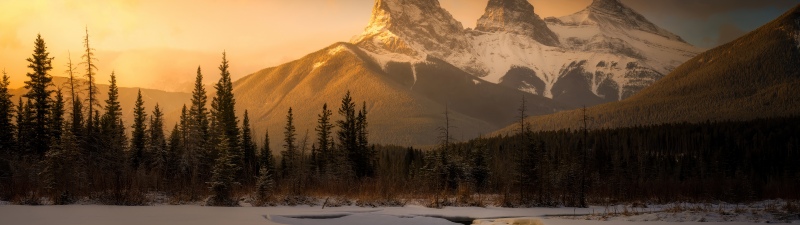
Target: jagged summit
606,4
518,17
606,52
396,15
408,26
790,18
613,14
415,31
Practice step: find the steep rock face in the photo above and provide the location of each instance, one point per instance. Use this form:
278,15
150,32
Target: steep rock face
513,47
518,17
406,101
411,30
612,14
754,76
624,51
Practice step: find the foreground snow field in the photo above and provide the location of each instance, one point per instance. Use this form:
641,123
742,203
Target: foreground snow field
304,215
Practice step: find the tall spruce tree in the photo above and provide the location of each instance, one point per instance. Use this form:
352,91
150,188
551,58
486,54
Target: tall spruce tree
347,133
40,80
95,129
60,174
249,148
182,169
324,140
266,159
266,175
223,177
113,129
63,169
138,136
289,154
224,108
161,160
24,115
57,117
192,150
366,159
196,134
7,142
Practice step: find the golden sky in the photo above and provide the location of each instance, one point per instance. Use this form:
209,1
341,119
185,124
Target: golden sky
160,43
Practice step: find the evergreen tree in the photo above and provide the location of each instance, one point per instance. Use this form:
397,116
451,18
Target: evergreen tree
480,165
445,138
194,156
57,116
182,170
113,131
266,160
24,128
95,129
264,186
224,108
157,146
198,111
525,175
40,80
76,124
324,140
366,159
222,178
7,142
265,182
249,147
196,134
138,138
289,154
62,175
348,133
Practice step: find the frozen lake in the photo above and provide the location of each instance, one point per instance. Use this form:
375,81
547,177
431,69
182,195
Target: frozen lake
301,215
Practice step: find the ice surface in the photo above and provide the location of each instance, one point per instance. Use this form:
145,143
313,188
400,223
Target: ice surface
200,215
365,219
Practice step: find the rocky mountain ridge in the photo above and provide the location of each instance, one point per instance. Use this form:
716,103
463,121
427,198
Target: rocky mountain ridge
604,53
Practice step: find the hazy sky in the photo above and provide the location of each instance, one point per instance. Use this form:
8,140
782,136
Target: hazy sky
160,43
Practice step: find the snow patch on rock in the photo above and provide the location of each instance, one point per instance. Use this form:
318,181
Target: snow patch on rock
338,49
317,65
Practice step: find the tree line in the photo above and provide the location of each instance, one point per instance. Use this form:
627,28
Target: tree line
62,144
62,152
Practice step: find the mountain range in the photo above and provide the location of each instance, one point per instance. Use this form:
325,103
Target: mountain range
414,61
754,76
604,53
170,103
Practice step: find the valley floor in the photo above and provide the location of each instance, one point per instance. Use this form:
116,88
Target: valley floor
305,215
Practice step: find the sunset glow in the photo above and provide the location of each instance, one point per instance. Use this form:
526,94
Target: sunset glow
157,44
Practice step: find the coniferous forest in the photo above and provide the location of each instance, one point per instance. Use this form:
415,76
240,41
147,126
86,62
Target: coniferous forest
65,145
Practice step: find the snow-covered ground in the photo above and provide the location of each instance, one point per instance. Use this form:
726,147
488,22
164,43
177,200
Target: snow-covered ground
306,215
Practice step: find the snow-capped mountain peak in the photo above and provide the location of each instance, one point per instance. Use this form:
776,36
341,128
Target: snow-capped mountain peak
603,53
413,30
518,17
614,15
423,16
